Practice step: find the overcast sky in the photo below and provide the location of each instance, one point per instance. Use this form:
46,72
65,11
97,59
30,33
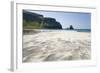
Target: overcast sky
78,20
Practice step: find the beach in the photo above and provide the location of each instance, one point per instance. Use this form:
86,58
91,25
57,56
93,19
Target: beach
44,46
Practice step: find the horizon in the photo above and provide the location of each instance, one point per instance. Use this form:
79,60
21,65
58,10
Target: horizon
76,19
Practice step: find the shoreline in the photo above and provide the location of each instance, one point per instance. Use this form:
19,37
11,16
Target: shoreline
33,31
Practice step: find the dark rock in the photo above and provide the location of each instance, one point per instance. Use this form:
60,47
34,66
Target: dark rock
32,17
71,27
38,21
51,23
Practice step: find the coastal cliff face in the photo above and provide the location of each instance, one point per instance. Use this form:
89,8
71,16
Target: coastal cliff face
36,21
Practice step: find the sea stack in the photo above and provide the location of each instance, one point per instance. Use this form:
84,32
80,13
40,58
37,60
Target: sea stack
71,27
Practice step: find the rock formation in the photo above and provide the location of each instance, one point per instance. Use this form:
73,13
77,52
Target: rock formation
37,21
71,27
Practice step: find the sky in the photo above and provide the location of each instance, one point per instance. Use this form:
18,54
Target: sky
76,19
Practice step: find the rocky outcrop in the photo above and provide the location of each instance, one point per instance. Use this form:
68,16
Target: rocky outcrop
34,20
52,23
32,17
71,27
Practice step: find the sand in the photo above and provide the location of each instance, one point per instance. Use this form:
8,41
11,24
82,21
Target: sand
56,46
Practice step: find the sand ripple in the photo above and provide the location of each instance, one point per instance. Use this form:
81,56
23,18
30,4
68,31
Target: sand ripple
56,46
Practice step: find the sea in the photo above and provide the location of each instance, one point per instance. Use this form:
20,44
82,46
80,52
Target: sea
82,30
65,30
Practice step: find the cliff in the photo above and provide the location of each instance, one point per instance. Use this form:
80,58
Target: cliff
36,21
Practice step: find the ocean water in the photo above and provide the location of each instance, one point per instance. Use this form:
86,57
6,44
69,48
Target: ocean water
83,30
64,30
